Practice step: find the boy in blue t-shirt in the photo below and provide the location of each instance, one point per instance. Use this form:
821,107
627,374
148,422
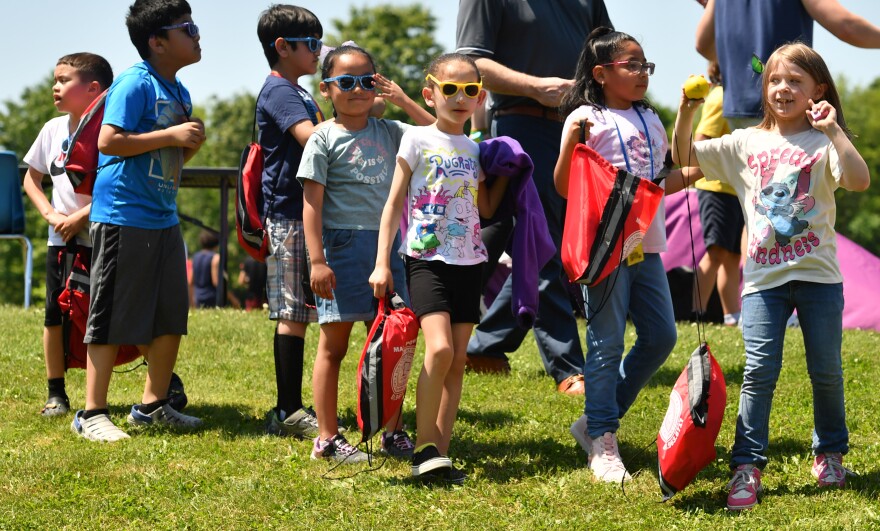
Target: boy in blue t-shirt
138,279
290,37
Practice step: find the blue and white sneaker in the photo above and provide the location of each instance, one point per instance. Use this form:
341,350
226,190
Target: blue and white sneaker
98,428
164,415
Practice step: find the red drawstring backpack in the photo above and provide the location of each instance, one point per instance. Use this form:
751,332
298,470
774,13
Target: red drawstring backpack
609,211
385,365
686,442
74,303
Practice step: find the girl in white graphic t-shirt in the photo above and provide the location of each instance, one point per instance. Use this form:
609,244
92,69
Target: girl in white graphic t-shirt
785,171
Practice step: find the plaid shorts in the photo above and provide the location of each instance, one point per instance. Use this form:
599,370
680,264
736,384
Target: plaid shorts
285,267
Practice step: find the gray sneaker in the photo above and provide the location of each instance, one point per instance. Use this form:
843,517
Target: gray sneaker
302,424
337,449
164,415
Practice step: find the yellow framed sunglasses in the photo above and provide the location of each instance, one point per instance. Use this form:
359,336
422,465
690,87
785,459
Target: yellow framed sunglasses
450,88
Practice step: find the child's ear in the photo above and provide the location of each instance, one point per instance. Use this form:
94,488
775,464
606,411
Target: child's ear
819,93
482,97
95,87
324,89
428,95
599,74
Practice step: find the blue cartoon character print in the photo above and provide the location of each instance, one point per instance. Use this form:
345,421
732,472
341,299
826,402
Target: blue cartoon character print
781,202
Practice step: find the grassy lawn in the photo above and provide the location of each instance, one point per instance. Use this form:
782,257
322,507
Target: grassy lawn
511,438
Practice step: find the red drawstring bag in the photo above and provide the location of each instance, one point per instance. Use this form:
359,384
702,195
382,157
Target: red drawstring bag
686,442
609,211
385,364
74,303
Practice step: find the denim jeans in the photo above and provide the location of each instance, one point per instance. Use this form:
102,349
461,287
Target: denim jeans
555,328
820,311
613,381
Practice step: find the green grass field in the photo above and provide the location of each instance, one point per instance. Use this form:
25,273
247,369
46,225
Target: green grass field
511,437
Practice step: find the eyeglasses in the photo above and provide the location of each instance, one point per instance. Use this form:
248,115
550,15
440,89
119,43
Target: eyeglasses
191,29
313,43
634,67
450,88
347,82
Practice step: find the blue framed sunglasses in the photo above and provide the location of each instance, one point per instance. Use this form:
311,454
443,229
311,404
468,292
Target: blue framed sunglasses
347,82
313,43
191,29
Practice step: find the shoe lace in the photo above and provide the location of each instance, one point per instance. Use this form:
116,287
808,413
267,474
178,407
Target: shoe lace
310,418
400,440
743,478
832,466
611,455
343,447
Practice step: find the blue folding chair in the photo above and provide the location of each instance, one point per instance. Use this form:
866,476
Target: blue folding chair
12,215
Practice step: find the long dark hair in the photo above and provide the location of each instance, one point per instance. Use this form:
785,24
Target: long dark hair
601,46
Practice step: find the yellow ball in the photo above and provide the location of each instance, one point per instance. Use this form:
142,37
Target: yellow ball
696,87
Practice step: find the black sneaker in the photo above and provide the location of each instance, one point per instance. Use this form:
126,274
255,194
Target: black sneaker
429,464
176,395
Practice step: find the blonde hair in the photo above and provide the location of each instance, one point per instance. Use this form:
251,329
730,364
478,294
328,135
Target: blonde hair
810,62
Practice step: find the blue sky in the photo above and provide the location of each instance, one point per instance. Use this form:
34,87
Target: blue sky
38,32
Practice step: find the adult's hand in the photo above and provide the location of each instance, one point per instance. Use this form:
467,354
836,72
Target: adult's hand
550,90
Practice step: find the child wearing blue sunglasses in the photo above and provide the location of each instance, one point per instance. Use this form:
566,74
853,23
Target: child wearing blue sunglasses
346,172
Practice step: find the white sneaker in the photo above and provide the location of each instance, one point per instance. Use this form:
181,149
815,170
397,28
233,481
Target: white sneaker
605,460
165,415
98,428
579,432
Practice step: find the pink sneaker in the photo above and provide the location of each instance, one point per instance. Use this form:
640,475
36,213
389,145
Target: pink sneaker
744,488
829,470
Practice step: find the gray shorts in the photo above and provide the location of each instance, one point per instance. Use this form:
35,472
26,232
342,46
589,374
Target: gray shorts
285,268
138,285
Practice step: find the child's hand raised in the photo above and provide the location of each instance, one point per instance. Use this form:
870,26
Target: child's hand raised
389,90
822,115
688,105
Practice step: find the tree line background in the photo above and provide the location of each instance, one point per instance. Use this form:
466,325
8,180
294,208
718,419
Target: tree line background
401,40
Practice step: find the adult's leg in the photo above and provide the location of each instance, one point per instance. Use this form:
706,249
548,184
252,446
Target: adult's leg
555,327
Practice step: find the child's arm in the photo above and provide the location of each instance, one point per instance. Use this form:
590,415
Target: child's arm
33,187
563,163
115,141
855,175
301,131
381,279
489,197
322,280
393,93
682,147
679,179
